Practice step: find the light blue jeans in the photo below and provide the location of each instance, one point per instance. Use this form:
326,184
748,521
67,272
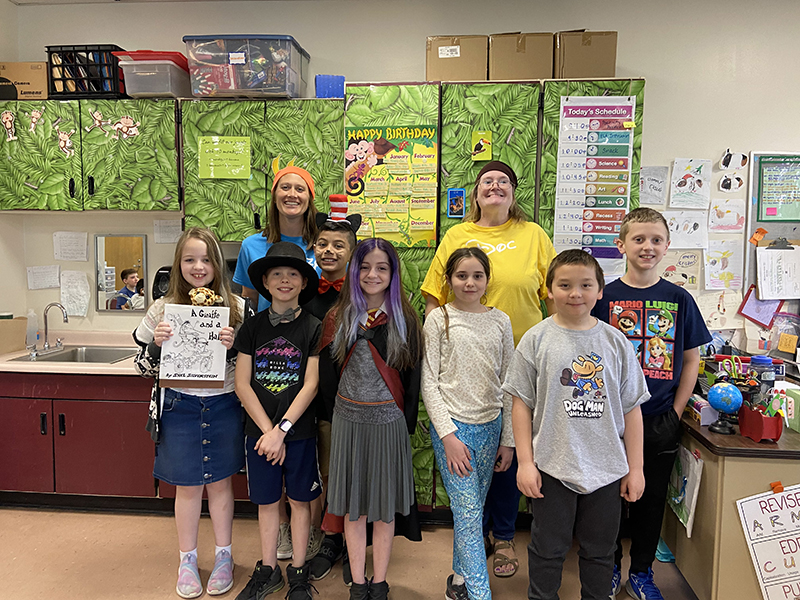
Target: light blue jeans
467,496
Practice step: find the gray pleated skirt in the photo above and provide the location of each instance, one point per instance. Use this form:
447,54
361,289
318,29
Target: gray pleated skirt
370,470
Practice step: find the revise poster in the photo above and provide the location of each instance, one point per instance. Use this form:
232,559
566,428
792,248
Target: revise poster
772,533
595,149
391,178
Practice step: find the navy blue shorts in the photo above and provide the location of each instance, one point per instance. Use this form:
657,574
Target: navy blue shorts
299,472
201,438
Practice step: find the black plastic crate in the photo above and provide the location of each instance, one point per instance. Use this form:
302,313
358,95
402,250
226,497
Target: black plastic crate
84,71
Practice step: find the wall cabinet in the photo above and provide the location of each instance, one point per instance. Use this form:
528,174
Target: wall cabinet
306,133
89,154
76,434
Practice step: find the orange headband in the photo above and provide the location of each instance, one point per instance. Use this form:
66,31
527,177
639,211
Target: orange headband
297,171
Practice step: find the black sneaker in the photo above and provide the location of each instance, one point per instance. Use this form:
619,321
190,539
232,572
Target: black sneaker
323,562
299,587
378,591
263,581
456,592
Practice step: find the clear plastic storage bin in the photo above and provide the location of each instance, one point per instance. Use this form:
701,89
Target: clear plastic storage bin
247,65
156,78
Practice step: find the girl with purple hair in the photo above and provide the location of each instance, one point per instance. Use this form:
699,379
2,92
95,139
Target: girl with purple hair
376,349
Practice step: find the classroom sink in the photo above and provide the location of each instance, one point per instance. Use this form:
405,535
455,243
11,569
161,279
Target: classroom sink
83,354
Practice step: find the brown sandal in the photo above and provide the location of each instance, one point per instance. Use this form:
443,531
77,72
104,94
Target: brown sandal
501,559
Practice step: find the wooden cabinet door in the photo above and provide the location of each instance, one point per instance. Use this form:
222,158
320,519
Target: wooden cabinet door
26,447
130,156
101,450
40,155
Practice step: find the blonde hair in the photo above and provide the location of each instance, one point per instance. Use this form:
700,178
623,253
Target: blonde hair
473,215
178,291
642,215
657,341
273,229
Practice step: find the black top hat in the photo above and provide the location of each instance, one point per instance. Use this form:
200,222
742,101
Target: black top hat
284,254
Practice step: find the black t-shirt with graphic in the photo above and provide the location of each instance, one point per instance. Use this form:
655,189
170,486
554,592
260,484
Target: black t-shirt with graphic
280,355
661,321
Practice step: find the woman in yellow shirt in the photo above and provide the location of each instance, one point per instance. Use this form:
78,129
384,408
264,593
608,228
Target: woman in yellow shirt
520,253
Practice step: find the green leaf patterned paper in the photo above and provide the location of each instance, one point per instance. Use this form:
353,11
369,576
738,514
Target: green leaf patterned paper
40,151
130,152
308,134
553,90
509,111
226,206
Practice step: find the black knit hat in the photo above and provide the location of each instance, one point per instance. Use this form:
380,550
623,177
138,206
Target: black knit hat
496,165
284,254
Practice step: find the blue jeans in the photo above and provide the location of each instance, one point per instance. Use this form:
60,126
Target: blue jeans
502,504
467,496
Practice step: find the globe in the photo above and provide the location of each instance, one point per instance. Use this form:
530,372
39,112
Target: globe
727,399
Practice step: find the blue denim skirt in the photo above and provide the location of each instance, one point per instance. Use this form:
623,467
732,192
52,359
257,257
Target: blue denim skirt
202,438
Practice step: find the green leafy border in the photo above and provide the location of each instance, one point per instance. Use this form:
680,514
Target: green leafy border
553,90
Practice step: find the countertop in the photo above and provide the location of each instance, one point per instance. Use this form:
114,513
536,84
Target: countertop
787,447
76,338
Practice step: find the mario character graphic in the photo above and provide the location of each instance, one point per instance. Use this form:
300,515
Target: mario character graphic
626,320
660,324
584,376
659,355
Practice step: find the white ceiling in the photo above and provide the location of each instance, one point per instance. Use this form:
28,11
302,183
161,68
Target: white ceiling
54,2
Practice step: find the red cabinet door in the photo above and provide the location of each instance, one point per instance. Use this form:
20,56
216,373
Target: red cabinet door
102,448
26,446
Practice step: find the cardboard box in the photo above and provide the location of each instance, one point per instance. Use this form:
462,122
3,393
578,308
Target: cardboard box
23,81
457,58
585,54
515,56
12,334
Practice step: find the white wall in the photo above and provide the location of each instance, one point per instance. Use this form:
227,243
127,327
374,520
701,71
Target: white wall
12,264
38,250
8,31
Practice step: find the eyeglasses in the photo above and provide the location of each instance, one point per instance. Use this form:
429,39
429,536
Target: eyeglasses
487,183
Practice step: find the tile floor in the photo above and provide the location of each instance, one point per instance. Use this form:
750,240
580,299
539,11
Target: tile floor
98,556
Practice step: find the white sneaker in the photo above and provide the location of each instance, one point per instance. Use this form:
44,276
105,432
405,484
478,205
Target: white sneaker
284,542
315,537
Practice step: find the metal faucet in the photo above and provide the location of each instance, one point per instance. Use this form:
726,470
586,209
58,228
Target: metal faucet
66,320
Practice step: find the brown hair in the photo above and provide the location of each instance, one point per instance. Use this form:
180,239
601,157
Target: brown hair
473,215
273,229
178,291
642,215
125,273
575,256
453,261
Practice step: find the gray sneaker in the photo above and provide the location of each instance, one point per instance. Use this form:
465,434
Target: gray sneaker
284,542
315,537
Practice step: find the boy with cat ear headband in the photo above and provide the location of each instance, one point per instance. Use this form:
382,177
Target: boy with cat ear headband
333,247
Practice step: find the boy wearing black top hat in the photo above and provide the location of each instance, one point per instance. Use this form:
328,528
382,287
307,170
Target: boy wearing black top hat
277,374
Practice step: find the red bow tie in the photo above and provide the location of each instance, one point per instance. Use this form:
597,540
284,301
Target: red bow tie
325,285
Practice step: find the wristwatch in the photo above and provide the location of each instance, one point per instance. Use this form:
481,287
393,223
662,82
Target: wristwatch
285,425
